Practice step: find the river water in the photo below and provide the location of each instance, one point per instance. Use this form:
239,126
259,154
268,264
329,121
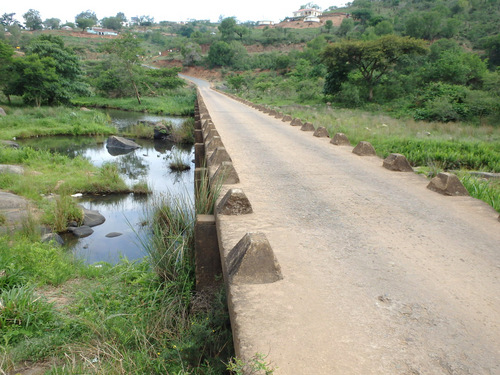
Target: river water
125,213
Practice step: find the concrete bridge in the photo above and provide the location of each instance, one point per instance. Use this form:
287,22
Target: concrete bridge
343,266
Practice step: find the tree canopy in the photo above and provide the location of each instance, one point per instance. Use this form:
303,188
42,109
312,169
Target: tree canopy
372,59
85,19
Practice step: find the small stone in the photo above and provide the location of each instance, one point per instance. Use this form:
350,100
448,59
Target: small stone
113,234
447,184
296,122
340,139
364,149
286,118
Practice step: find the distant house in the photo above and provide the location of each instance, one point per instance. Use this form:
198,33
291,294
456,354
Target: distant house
303,13
265,23
67,28
311,19
101,31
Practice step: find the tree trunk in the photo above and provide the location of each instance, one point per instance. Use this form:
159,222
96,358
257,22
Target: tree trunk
370,94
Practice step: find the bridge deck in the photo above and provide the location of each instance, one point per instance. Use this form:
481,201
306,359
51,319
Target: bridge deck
381,275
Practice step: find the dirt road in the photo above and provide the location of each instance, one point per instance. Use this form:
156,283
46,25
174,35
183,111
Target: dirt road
381,275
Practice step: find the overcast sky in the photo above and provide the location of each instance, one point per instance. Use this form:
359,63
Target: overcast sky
249,10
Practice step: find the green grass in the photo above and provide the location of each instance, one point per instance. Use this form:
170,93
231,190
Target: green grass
483,189
131,318
179,102
27,122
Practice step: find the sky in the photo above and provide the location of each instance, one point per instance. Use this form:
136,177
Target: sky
253,10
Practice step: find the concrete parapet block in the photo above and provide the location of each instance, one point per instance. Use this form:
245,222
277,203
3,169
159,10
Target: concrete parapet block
208,266
225,175
272,112
340,139
278,115
235,202
252,261
321,132
219,155
209,125
307,127
213,144
199,154
198,136
205,116
447,184
209,135
296,122
286,118
398,163
364,149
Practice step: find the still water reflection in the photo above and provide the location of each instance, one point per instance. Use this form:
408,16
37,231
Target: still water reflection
124,213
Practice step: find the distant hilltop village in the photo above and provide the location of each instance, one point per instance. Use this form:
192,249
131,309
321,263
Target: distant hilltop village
304,18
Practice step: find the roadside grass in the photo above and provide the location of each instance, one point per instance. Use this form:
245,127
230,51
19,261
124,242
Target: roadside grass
480,188
178,102
28,122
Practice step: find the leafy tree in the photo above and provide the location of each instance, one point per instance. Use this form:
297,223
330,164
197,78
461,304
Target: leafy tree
492,46
49,74
220,54
424,25
113,23
309,5
127,51
191,52
85,19
143,20
6,53
362,15
227,28
346,26
329,25
371,59
52,23
7,19
383,28
33,20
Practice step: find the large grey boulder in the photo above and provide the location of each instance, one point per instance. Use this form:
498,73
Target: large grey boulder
54,238
14,169
11,144
117,142
92,218
81,232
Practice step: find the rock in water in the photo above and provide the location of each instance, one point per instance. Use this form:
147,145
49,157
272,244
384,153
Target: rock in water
121,143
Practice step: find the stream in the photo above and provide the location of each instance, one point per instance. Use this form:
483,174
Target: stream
124,213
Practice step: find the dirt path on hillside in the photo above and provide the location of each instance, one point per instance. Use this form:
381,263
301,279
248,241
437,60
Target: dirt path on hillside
381,275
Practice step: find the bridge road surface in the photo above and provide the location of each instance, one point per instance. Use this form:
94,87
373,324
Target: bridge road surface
381,275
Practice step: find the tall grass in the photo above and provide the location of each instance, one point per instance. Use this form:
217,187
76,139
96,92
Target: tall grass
485,190
179,102
27,122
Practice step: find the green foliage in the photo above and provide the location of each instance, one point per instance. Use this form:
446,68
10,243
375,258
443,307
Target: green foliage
33,20
49,74
85,19
255,366
486,190
372,59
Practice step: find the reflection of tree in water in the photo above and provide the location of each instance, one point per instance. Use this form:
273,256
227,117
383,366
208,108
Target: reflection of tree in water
132,166
113,201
